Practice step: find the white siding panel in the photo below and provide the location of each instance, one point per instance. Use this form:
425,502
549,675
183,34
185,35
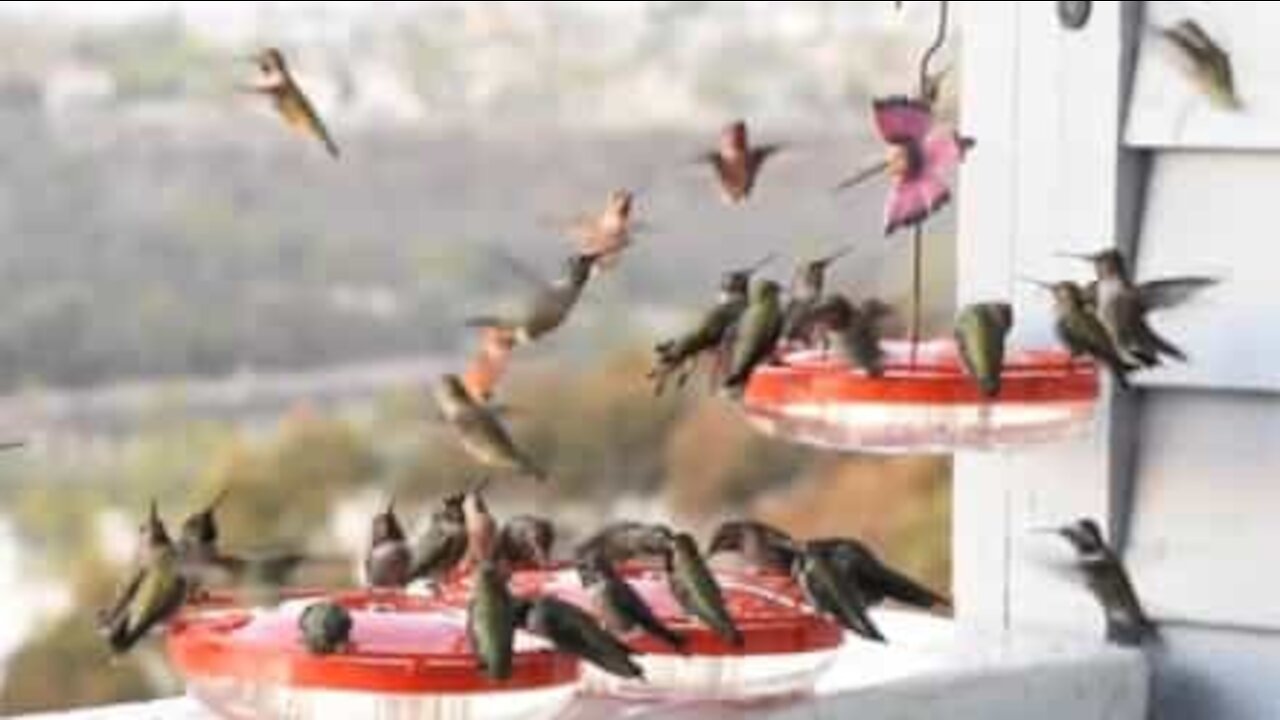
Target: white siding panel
1207,674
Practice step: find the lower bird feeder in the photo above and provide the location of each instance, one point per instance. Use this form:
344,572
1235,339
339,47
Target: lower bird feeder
924,401
407,658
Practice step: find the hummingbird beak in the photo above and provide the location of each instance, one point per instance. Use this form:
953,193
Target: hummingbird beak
479,487
391,505
762,263
155,511
1038,283
1087,257
825,261
1045,530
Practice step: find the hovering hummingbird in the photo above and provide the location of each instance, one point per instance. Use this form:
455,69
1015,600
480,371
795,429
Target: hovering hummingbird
326,628
695,588
1122,305
276,82
807,286
480,430
482,528
491,621
154,594
388,560
1080,330
919,158
626,540
1106,578
619,606
572,630
858,565
526,541
830,593
605,236
550,305
681,354
980,332
438,550
1206,64
761,545
756,334
737,163
489,364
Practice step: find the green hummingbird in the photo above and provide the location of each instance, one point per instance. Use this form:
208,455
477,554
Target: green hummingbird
388,561
695,588
438,550
760,544
626,540
325,627
526,541
807,287
619,606
156,592
153,539
1082,332
491,620
877,581
755,336
549,306
480,431
1105,576
276,82
574,631
980,332
831,593
1207,65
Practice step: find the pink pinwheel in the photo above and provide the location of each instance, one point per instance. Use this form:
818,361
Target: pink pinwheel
920,157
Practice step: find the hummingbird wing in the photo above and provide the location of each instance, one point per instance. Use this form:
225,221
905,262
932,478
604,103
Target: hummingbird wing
1171,292
839,597
756,159
574,631
861,176
299,114
896,585
627,602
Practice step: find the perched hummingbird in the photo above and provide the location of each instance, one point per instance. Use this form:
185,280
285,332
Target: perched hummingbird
154,595
606,235
856,328
854,561
488,365
388,561
441,547
480,430
491,621
761,545
1122,305
807,286
1080,330
1106,578
572,630
153,540
482,528
832,593
626,540
1207,65
550,305
736,162
619,606
695,588
275,81
756,334
326,627
980,332
526,541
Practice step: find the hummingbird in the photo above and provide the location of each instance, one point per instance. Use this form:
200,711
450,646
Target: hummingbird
918,158
626,540
858,565
761,545
807,285
1080,330
1122,305
275,81
856,328
606,235
755,335
388,560
572,630
1106,578
204,562
980,332
198,534
1207,65
526,541
439,549
695,588
153,539
831,593
488,365
325,627
480,431
155,593
482,528
491,620
619,606
737,163
550,305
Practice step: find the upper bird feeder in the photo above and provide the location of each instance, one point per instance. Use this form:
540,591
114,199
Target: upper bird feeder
405,657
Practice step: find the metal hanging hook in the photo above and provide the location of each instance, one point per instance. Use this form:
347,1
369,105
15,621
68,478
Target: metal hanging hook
939,39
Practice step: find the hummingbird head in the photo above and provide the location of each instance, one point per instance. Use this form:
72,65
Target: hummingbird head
1001,314
1084,535
271,61
733,138
734,283
153,530
201,527
451,392
765,291
1107,263
1067,294
874,309
811,274
593,567
386,526
453,507
619,203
